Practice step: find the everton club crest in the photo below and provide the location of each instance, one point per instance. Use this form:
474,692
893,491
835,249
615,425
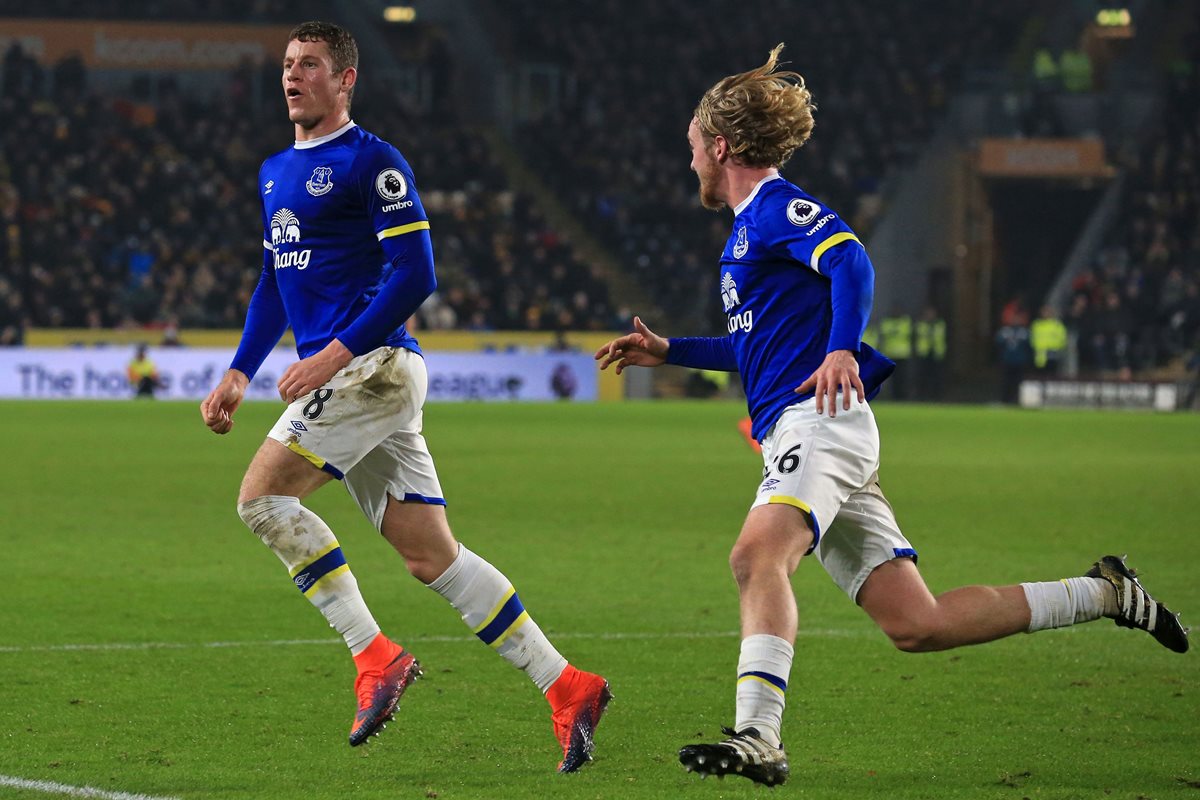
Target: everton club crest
320,182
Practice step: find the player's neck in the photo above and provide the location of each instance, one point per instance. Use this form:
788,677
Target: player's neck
742,180
325,127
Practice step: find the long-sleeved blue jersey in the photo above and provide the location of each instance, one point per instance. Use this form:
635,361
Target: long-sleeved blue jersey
796,284
346,247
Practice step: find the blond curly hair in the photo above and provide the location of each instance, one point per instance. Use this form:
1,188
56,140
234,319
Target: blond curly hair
764,115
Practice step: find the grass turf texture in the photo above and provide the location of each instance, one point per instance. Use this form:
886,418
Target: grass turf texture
614,522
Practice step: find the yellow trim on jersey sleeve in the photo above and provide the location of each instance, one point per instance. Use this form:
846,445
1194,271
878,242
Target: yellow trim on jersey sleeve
837,238
400,230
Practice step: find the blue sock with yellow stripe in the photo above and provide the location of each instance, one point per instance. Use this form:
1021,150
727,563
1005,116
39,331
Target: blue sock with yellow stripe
312,555
764,667
492,609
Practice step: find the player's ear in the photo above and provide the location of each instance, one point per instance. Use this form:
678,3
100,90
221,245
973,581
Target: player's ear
720,148
349,78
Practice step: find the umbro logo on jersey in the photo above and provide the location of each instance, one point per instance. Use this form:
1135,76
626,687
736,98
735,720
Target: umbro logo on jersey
741,245
802,212
285,229
268,186
320,182
821,223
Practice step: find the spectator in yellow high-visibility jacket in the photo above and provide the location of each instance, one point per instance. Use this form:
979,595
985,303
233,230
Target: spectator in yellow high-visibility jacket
930,347
896,339
1048,337
143,375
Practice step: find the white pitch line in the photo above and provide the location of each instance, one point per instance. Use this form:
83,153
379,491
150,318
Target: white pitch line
50,787
814,633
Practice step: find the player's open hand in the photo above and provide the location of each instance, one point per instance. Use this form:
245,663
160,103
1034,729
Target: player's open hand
642,348
309,374
837,373
217,409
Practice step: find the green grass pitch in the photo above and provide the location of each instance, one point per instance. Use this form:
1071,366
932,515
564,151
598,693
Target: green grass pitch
210,678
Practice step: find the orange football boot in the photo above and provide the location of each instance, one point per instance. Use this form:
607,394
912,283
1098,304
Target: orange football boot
578,700
385,670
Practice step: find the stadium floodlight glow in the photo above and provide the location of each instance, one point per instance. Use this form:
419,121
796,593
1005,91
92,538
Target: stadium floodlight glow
399,14
1114,23
1114,17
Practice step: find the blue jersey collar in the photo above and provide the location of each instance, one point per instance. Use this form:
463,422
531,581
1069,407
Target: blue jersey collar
329,137
754,193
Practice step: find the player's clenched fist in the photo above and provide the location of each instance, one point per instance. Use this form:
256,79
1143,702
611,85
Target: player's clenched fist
217,409
642,348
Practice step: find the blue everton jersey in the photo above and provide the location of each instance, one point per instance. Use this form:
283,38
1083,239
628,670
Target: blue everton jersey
327,205
778,299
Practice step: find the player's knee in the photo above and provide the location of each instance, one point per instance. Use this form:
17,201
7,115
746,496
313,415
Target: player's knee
740,564
425,556
747,560
769,554
250,511
424,566
914,644
261,513
912,636
421,535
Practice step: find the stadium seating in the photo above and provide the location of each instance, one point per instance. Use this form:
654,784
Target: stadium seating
119,209
120,213
1138,308
617,153
284,11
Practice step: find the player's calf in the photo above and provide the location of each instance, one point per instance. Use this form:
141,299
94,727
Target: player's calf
490,606
314,559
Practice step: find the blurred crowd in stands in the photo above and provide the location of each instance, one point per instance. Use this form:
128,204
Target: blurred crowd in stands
123,213
279,11
142,209
617,153
1137,309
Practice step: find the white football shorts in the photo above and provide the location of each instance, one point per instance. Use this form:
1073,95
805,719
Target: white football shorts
828,467
364,428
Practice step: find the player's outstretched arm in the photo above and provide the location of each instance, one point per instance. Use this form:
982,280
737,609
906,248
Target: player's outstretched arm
838,372
642,348
217,409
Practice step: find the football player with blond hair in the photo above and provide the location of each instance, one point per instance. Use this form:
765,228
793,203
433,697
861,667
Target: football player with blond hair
797,287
